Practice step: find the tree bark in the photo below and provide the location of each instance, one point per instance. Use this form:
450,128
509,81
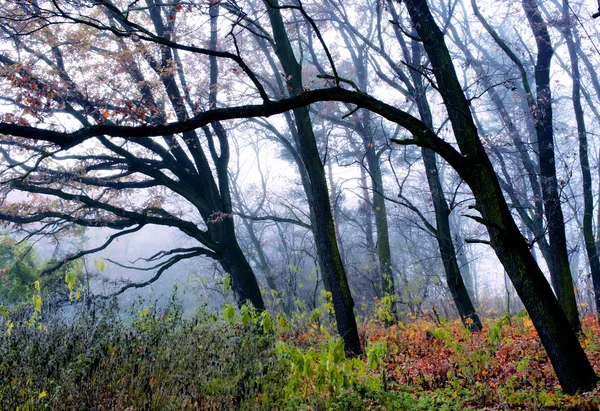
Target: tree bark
588,199
323,227
454,279
244,283
572,367
562,280
232,259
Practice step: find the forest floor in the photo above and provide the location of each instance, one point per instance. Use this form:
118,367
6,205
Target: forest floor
157,360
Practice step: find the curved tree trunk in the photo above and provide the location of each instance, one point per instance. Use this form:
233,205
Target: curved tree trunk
562,280
221,225
572,367
243,283
586,175
323,226
454,279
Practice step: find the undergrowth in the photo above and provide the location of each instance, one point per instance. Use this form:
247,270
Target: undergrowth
153,359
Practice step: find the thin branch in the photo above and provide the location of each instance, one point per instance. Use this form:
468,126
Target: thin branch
171,262
276,219
90,251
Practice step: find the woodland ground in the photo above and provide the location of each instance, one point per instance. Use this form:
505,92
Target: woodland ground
157,360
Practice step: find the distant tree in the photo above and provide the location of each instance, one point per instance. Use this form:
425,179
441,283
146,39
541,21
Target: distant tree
20,269
510,246
591,247
412,87
317,190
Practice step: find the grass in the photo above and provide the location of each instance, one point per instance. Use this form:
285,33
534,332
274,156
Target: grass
157,360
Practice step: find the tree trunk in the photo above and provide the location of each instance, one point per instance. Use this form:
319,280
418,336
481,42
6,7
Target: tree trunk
586,176
261,257
323,227
384,253
243,282
454,279
562,281
232,259
572,367
463,261
334,208
366,209
535,223
368,135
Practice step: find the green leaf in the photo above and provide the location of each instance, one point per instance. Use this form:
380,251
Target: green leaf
226,282
229,312
248,314
4,311
283,322
522,365
267,322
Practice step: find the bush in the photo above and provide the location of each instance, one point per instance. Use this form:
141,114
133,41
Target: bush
155,360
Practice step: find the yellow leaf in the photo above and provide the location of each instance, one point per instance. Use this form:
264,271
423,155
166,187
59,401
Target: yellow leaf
42,394
37,301
99,264
78,294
